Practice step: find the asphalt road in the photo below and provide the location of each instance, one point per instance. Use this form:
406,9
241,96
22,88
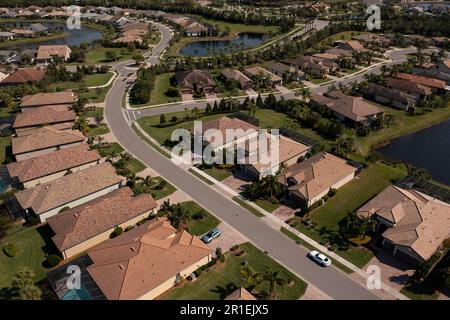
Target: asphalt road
330,280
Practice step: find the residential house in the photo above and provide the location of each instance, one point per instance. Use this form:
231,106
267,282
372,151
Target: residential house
435,72
3,76
41,169
91,223
195,29
48,53
444,66
42,116
437,86
409,87
241,130
286,72
240,294
37,142
127,39
244,81
327,56
312,66
5,35
58,100
48,199
353,110
259,74
38,28
23,76
145,262
195,81
22,33
413,224
392,97
288,151
351,45
310,180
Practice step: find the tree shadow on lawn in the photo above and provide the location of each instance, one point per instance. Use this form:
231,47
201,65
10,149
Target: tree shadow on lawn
49,248
225,291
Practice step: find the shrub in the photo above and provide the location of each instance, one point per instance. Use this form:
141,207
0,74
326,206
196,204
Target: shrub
53,260
128,228
332,193
359,242
117,232
222,258
174,119
171,92
199,215
234,247
10,250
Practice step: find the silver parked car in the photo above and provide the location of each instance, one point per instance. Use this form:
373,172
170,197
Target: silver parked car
211,235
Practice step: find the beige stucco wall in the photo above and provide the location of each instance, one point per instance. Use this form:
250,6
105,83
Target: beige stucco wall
33,154
54,176
163,287
68,253
43,216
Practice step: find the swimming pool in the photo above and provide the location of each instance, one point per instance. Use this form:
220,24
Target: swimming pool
77,294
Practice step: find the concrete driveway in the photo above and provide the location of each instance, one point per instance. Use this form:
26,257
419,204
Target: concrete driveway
227,239
282,89
186,97
251,93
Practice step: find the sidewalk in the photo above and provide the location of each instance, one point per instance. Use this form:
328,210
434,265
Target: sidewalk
359,275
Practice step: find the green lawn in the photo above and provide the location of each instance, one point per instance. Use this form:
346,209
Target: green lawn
91,80
98,131
156,192
95,95
204,179
266,205
248,207
200,227
32,245
5,144
405,124
93,113
351,197
217,173
107,149
222,279
158,94
98,55
134,165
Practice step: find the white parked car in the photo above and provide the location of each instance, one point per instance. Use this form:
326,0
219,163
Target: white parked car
319,258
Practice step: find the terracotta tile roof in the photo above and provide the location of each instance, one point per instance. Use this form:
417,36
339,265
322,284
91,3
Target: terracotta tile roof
224,123
66,189
51,98
327,56
287,149
354,108
22,31
355,45
24,75
317,174
393,94
60,160
420,222
426,81
200,78
134,263
240,294
84,222
46,52
446,63
41,116
43,138
406,85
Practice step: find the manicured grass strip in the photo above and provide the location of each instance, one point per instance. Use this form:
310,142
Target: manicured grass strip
266,205
419,292
195,173
146,140
158,94
217,173
94,112
109,149
222,279
305,244
157,194
98,131
244,205
32,244
202,226
134,165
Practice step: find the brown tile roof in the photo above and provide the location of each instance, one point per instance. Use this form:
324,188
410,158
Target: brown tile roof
355,45
24,75
390,93
224,123
131,265
420,222
254,71
60,160
240,294
406,85
426,81
354,108
46,52
327,55
41,116
84,222
22,31
317,174
43,138
49,98
66,189
236,75
201,78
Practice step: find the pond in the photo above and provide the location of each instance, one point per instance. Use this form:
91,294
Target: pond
429,149
244,40
74,37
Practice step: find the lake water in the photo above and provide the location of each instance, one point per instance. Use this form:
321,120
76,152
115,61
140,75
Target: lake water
244,40
74,38
429,149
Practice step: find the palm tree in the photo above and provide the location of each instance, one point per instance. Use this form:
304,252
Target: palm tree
275,280
305,92
180,218
252,277
148,182
132,179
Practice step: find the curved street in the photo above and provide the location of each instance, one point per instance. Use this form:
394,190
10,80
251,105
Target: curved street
332,281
